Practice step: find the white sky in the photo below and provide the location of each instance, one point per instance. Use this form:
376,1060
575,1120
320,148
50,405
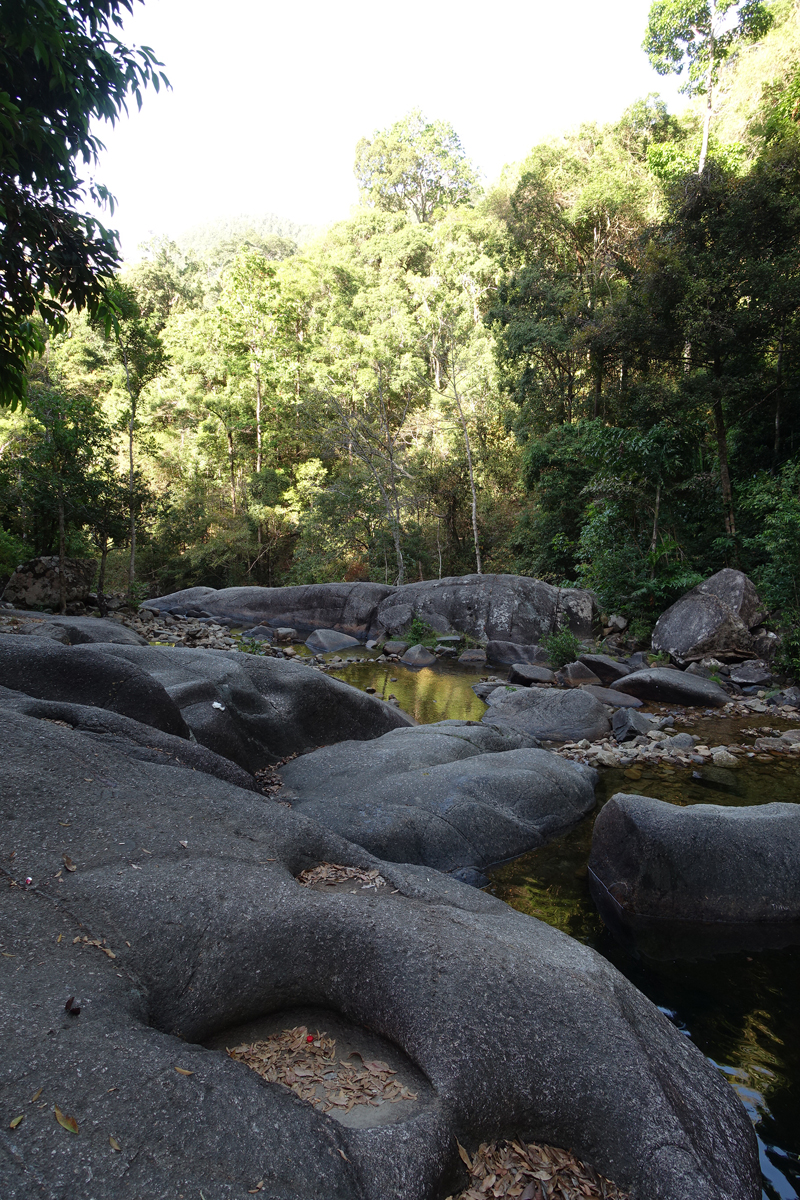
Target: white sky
269,99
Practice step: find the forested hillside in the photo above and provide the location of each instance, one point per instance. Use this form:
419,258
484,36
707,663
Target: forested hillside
587,372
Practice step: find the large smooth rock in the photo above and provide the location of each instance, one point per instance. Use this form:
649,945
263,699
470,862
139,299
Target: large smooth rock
450,795
714,618
323,641
515,1029
505,654
615,699
510,607
667,686
347,607
90,675
256,710
37,584
79,631
137,740
628,724
705,862
548,714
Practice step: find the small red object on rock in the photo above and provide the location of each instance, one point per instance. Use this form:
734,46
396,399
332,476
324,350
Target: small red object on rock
28,879
310,1037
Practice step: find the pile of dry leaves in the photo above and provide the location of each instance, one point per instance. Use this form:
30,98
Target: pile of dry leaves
333,873
532,1172
307,1064
270,782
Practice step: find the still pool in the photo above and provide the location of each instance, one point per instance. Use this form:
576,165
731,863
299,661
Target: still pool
741,1008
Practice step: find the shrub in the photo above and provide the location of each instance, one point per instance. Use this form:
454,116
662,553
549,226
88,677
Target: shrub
562,647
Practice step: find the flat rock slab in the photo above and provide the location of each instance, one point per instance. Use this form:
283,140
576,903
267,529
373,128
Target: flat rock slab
752,673
628,724
548,714
450,795
211,930
662,684
472,658
705,862
256,710
323,641
577,674
395,647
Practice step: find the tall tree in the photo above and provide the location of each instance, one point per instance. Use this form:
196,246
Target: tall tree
416,166
699,35
62,69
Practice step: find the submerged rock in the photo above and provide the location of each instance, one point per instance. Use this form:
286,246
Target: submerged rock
512,1025
449,795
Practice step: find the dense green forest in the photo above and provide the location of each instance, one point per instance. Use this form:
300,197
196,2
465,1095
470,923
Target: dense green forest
587,372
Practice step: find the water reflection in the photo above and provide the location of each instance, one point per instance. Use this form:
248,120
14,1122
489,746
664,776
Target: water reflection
439,693
740,1008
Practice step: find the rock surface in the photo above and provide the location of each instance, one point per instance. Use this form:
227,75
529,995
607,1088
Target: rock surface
715,618
547,713
628,724
526,674
323,641
511,607
664,685
256,710
89,675
418,656
36,583
705,862
77,631
607,669
547,1040
505,654
450,795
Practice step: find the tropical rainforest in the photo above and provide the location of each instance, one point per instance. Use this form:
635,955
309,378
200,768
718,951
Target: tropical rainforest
587,371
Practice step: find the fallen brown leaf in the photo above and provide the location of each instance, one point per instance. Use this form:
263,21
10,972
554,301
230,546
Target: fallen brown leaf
181,1071
17,1120
68,863
68,1123
114,1144
36,1095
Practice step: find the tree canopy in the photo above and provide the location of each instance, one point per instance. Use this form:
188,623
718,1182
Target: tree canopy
415,166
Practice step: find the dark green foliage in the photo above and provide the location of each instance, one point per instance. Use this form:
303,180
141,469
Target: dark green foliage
62,69
562,648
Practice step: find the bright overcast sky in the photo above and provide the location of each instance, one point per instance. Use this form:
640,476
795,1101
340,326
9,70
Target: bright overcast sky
269,99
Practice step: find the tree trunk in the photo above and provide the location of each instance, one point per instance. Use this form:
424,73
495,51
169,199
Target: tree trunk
101,579
776,446
707,120
62,583
724,474
131,426
258,419
232,464
471,481
654,539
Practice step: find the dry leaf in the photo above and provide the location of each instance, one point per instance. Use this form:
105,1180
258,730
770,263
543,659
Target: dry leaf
68,863
17,1120
184,844
181,1071
65,1122
72,1007
114,1144
36,1095
464,1156
257,1188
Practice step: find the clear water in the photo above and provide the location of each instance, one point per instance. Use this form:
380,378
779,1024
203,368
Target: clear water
741,1008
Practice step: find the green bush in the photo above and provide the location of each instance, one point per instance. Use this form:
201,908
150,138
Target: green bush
562,647
420,633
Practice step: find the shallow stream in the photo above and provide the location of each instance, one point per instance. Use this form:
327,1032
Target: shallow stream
742,1008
